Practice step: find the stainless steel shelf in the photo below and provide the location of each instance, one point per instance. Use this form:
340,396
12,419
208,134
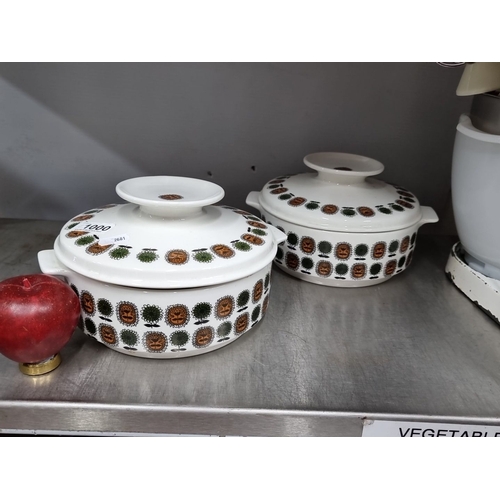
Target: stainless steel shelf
323,359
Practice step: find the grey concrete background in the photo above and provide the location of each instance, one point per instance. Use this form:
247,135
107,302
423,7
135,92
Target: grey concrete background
69,132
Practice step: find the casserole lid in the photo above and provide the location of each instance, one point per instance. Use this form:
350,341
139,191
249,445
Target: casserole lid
168,236
340,195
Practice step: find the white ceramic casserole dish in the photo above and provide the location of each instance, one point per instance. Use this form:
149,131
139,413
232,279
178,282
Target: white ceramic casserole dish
168,274
344,228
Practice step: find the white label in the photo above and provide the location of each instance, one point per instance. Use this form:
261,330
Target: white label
111,240
93,227
397,428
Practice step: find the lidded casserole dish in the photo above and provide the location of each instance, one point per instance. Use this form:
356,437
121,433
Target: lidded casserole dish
344,228
167,274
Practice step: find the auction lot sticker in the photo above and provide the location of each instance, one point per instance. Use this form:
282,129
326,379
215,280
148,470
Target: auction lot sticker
397,428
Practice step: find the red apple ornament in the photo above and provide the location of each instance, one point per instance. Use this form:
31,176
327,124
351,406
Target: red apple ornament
38,315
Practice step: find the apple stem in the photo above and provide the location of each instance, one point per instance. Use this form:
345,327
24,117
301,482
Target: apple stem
26,283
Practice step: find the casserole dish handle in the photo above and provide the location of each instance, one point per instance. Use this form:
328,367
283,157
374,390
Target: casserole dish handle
253,200
279,236
49,264
428,216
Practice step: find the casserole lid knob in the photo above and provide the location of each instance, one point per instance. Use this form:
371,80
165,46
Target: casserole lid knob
170,197
343,168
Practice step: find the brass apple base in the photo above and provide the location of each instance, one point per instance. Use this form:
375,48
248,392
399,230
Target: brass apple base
42,367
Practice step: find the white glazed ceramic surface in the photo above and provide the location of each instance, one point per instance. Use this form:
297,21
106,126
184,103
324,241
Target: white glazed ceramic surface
167,237
475,182
165,324
340,195
343,259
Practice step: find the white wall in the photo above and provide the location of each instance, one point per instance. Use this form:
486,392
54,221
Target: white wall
69,132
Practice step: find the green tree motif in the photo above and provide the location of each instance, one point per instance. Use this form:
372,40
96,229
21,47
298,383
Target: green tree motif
147,256
204,257
129,337
312,205
325,247
119,253
243,299
341,269
307,263
151,314
84,240
201,311
349,212
224,329
393,246
104,307
292,239
361,250
243,246
179,339
256,313
90,326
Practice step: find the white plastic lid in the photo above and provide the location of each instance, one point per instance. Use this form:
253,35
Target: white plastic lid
465,127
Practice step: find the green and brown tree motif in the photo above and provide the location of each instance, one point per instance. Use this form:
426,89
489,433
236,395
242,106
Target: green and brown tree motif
292,261
87,302
203,337
241,324
97,249
155,342
224,307
177,315
127,313
108,335
324,268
